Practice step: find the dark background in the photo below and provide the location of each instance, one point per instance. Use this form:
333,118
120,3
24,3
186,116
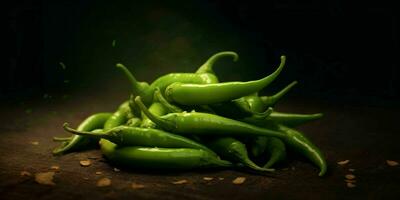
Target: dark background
337,50
341,52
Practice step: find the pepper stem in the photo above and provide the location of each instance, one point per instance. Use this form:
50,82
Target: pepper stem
171,108
264,114
268,79
138,88
272,100
207,67
163,123
85,133
252,165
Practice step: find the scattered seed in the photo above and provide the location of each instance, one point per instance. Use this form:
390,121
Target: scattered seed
103,182
137,186
343,162
85,178
180,182
350,176
351,185
392,163
25,173
35,143
45,178
55,167
350,181
239,180
220,178
208,178
99,173
85,163
116,169
352,170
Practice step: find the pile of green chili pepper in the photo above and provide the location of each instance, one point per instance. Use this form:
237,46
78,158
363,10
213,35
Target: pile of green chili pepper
191,120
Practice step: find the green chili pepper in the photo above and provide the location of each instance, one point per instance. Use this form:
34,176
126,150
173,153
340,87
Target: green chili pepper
276,150
235,151
301,144
146,137
132,105
78,142
168,106
199,94
272,100
133,122
239,108
157,109
258,146
204,75
251,103
288,119
160,158
205,124
119,117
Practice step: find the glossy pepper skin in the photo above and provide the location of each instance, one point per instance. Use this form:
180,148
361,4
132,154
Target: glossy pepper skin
133,122
145,137
204,75
205,124
161,158
301,144
270,101
78,142
199,94
248,105
235,151
119,117
157,109
287,119
276,150
158,97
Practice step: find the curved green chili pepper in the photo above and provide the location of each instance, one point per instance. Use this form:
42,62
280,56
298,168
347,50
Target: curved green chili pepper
77,142
133,122
272,100
258,146
276,150
288,119
301,144
157,109
233,150
205,124
132,105
138,88
168,106
251,103
119,117
160,158
239,108
199,94
204,75
146,137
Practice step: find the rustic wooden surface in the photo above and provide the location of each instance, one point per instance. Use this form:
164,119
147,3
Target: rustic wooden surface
366,135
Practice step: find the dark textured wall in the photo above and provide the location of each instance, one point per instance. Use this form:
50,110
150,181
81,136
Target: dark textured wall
335,49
